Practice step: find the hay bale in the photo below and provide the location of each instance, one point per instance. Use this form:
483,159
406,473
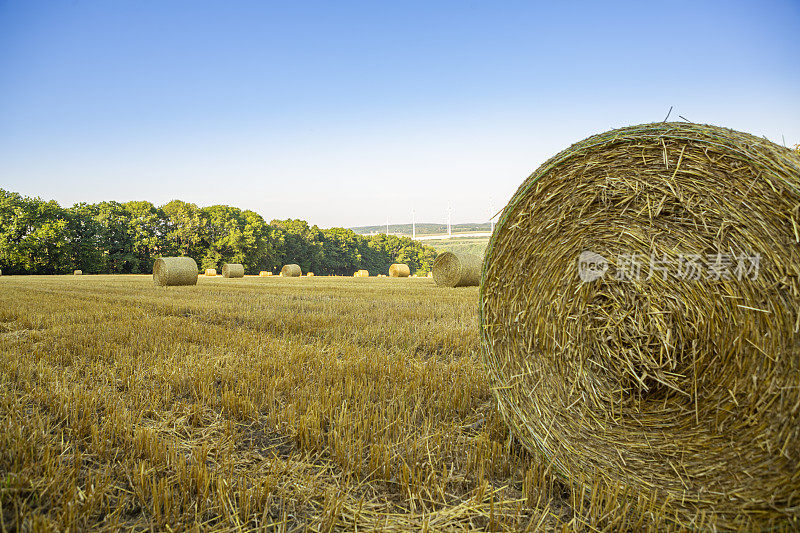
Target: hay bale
291,271
211,272
456,270
361,274
681,387
78,273
171,271
430,275
310,274
232,270
265,273
399,270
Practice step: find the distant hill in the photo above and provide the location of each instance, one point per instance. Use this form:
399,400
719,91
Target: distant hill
423,228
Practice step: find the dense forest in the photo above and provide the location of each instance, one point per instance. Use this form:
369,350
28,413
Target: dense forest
40,237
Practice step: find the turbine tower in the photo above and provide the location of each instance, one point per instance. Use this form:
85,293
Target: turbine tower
491,214
449,228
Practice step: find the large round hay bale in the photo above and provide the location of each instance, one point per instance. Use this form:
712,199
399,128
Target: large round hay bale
399,270
639,315
291,271
211,272
456,270
78,273
170,271
232,270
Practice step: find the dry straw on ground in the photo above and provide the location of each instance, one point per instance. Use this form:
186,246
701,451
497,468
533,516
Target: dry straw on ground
78,273
169,271
681,389
457,270
232,270
399,270
291,271
211,272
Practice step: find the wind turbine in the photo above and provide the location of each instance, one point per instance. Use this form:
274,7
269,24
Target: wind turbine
491,213
449,228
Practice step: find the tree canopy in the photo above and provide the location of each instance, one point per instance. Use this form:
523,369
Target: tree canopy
41,237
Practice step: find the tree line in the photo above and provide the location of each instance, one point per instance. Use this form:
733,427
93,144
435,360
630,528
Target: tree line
41,237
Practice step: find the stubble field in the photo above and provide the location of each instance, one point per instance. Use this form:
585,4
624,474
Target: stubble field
264,403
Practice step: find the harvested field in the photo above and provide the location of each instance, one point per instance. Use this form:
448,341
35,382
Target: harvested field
332,405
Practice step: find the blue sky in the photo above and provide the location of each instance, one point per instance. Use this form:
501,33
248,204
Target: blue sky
344,113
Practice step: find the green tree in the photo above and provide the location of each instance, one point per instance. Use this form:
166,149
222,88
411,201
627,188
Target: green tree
146,228
183,225
84,230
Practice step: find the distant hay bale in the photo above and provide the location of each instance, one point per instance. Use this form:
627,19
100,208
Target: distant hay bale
639,315
456,270
211,272
172,271
265,273
232,270
361,274
78,273
430,275
291,271
399,270
310,274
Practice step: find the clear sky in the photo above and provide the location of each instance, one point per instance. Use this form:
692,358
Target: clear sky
344,113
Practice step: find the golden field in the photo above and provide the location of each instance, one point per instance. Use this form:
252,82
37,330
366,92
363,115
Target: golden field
264,404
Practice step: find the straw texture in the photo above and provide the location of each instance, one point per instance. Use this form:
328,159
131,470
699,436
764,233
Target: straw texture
171,271
232,270
399,270
456,270
683,389
291,271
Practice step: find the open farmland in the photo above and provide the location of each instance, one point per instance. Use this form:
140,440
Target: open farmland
460,245
322,403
